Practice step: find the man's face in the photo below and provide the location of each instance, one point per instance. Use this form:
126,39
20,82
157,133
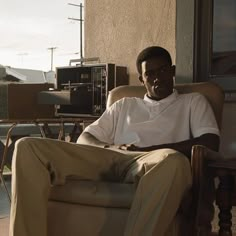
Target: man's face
157,77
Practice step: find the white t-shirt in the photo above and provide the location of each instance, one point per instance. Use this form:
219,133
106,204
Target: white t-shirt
146,122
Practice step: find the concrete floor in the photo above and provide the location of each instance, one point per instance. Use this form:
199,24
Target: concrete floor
5,211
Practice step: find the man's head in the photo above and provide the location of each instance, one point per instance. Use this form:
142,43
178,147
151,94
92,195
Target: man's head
156,71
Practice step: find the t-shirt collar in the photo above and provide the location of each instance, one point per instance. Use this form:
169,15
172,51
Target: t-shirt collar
171,97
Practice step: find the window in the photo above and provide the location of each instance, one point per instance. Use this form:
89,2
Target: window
215,42
224,38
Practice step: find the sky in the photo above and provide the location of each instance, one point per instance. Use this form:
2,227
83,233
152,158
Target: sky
28,28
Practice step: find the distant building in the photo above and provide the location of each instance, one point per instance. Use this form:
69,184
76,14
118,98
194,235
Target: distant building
10,74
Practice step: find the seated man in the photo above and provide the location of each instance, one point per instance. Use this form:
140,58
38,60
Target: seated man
147,141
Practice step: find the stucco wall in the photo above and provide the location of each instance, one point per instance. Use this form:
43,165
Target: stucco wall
184,40
116,30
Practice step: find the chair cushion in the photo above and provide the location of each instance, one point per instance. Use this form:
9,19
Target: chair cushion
103,194
66,219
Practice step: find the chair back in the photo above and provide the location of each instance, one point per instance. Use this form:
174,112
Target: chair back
212,91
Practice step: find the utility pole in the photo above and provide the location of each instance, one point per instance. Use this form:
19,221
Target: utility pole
80,19
22,54
52,53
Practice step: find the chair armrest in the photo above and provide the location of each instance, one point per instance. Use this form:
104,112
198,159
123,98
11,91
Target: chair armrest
203,189
201,159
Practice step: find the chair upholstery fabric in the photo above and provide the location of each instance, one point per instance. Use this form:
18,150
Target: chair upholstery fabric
89,208
94,193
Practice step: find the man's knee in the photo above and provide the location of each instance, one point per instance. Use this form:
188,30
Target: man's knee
26,142
23,141
178,159
175,159
182,167
170,153
22,147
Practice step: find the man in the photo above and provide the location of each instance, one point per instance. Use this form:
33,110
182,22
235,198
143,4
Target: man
147,141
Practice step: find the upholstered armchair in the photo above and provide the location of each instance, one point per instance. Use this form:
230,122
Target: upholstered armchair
90,208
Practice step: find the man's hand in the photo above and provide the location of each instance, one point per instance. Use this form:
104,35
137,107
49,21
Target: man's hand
209,140
131,147
112,146
125,147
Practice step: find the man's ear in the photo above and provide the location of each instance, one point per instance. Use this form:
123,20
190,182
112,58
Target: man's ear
140,78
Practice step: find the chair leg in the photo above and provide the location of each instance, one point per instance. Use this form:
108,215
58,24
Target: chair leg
223,201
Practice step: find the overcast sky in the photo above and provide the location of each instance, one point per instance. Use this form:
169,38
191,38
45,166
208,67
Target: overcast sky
29,27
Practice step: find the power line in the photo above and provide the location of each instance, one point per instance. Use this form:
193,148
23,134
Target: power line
72,4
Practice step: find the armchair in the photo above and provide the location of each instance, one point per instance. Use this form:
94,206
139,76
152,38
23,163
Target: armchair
90,208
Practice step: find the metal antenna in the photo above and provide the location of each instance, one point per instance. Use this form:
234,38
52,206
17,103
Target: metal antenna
81,26
52,52
22,54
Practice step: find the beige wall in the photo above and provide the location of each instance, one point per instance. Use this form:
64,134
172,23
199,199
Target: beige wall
116,30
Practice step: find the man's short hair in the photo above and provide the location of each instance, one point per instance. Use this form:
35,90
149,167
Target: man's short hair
152,52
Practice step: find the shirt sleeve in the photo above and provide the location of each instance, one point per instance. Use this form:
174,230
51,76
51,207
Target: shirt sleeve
202,118
104,127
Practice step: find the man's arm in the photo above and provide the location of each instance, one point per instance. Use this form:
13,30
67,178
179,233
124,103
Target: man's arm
89,139
211,141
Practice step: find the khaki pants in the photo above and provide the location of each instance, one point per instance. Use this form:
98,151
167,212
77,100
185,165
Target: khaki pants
163,178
